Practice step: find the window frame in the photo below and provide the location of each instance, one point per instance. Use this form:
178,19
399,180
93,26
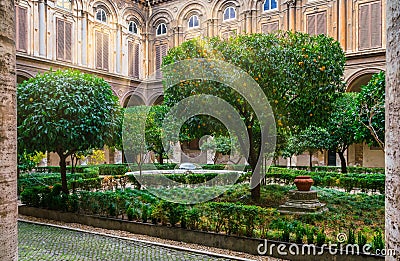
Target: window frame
63,4
270,5
195,18
103,15
134,26
161,26
230,18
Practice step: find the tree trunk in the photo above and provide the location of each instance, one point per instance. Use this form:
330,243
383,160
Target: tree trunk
63,171
310,160
392,134
8,135
343,162
161,159
256,177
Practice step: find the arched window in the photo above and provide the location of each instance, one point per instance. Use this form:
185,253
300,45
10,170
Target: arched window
101,15
133,27
194,21
229,14
66,4
161,29
270,5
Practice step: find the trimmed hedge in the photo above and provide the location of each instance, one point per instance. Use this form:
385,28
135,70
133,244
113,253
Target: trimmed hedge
31,180
56,169
350,169
347,181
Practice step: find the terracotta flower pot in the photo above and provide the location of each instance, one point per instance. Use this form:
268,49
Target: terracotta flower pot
303,183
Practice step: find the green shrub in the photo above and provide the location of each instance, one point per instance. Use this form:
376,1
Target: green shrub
321,238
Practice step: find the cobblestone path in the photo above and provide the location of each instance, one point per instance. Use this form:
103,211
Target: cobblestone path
42,243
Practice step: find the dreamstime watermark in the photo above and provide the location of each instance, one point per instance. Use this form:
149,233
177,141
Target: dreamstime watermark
339,248
204,71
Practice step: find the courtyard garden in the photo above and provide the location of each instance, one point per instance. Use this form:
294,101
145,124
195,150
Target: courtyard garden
286,107
355,203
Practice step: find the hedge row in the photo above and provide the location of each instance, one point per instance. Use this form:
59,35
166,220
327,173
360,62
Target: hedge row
220,217
229,218
56,169
31,180
350,169
121,169
347,181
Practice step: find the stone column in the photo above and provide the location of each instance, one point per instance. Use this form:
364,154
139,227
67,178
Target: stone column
292,14
42,28
84,38
342,19
8,135
392,137
118,50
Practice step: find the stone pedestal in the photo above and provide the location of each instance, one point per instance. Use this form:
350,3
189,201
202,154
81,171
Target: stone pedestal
302,202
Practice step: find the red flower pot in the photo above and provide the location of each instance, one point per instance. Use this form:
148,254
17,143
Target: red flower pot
303,183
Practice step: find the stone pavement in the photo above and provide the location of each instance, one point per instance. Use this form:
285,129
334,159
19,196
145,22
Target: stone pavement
42,243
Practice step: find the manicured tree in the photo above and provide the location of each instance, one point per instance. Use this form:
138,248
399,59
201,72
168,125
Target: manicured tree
154,130
342,127
134,135
311,139
8,132
371,102
221,145
66,112
300,75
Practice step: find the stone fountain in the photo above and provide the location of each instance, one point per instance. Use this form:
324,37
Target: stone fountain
303,200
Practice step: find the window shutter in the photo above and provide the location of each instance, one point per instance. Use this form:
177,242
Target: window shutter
22,29
321,23
270,27
376,24
99,50
60,39
364,32
311,24
137,61
130,58
68,41
105,51
158,57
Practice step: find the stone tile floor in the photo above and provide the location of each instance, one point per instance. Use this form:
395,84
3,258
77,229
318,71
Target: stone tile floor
42,243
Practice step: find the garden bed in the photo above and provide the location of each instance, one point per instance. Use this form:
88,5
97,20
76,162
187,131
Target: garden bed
241,244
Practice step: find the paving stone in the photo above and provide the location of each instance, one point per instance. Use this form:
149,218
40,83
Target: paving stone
42,243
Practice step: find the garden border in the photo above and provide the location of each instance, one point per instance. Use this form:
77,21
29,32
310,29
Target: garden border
235,243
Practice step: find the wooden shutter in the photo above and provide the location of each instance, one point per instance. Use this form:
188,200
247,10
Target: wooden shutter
321,23
137,61
316,23
270,27
311,24
376,24
130,59
68,41
105,51
60,39
161,51
99,50
364,27
21,29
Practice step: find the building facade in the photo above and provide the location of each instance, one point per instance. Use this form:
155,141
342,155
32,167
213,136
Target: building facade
124,41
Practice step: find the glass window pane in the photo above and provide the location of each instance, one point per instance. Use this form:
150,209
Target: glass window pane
273,4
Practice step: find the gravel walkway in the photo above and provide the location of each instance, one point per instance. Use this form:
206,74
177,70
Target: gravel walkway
38,242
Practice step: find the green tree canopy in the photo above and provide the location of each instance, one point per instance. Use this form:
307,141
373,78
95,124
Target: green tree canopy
66,112
342,127
301,75
371,102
